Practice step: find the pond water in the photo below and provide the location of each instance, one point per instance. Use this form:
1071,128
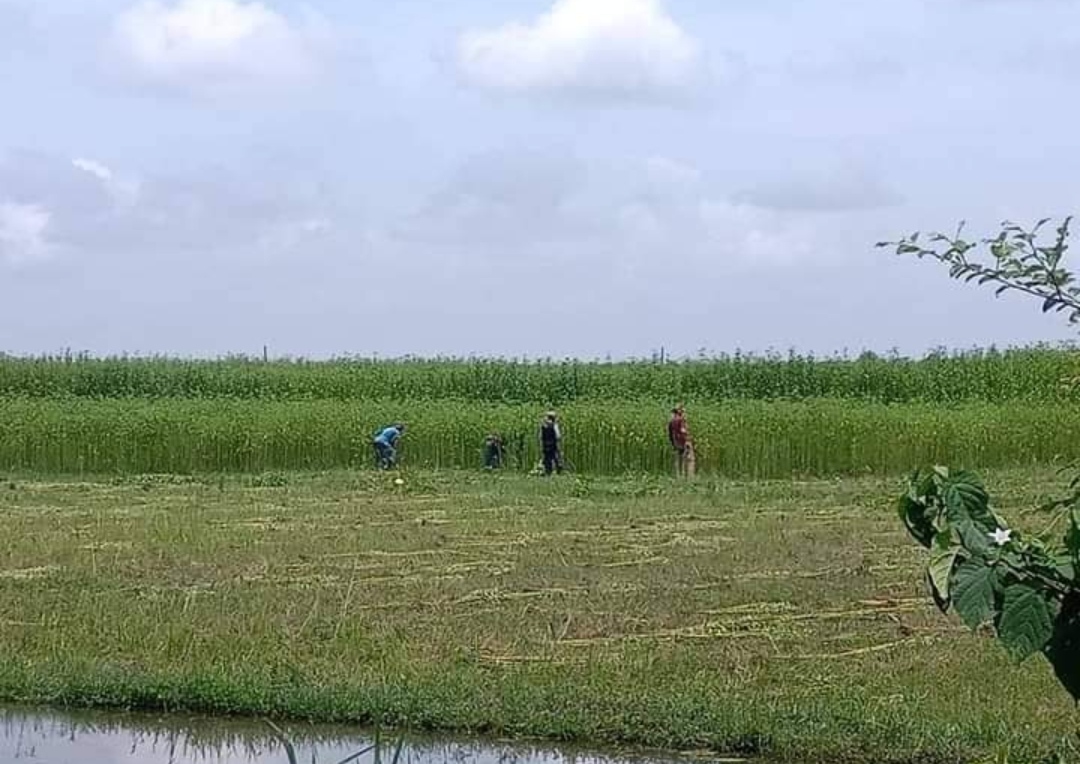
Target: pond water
54,737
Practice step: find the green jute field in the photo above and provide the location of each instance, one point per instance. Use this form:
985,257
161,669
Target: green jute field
751,417
787,619
740,439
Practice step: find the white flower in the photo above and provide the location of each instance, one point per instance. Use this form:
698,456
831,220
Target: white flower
1001,537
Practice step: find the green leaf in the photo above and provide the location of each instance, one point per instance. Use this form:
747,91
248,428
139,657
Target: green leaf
919,525
942,604
1072,535
973,592
1063,650
1027,620
968,489
967,508
975,536
940,570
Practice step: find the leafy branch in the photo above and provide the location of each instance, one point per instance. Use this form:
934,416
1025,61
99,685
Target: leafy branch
1017,262
1024,588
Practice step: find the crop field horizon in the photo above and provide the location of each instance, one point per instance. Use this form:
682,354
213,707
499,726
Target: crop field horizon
753,417
1032,374
783,619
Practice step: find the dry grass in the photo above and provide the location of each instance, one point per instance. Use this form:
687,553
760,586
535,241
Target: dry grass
782,618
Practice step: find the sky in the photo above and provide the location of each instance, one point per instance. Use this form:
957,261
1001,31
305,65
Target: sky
524,178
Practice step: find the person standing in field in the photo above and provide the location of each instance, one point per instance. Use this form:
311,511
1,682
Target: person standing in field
386,446
494,451
551,444
679,437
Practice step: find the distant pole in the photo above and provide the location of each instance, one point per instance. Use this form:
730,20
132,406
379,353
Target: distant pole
266,354
662,355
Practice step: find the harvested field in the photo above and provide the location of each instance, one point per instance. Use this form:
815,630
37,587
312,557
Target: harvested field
781,618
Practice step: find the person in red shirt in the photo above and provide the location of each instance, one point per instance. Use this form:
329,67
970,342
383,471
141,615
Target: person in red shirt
679,436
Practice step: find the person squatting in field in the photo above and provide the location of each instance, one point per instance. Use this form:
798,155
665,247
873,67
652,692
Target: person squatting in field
679,436
551,444
386,446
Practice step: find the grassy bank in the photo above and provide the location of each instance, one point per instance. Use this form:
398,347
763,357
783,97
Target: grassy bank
753,439
786,619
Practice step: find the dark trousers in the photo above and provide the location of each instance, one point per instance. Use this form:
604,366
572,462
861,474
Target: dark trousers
385,455
552,461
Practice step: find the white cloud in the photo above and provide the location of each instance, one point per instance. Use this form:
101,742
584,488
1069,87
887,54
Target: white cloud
756,235
607,48
59,206
632,221
214,47
96,169
123,191
23,230
507,200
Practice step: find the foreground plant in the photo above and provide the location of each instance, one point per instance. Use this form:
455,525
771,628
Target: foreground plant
1024,587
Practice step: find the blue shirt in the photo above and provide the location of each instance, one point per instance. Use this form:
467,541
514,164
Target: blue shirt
389,436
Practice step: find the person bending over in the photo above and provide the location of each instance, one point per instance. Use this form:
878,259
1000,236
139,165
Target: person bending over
386,446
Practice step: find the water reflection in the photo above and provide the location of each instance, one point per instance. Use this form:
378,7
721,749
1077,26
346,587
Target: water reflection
48,737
